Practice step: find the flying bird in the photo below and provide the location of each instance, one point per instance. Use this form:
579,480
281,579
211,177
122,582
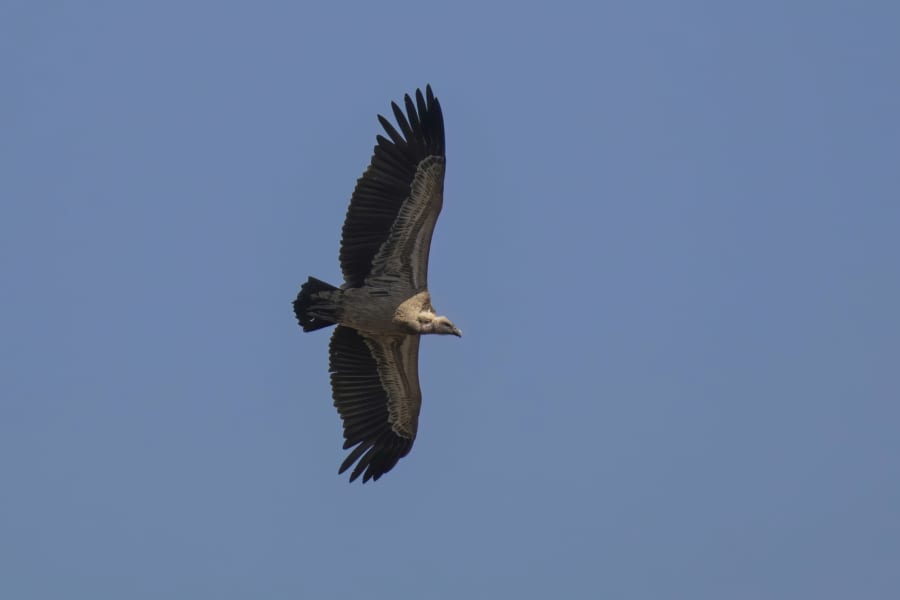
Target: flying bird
383,307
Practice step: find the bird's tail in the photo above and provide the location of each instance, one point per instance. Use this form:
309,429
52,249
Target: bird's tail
317,305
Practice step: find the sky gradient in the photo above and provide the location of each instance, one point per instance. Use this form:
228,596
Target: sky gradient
670,235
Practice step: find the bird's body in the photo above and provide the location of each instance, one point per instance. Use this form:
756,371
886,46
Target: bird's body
378,310
384,306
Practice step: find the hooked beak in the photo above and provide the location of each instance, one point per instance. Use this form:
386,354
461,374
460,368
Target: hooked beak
457,332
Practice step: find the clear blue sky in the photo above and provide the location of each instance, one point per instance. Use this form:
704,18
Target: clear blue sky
671,235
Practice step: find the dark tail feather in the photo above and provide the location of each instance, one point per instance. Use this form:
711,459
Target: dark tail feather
317,305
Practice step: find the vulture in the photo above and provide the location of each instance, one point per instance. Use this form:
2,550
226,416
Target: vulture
383,307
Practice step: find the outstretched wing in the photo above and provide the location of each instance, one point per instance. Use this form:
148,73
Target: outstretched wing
375,385
397,201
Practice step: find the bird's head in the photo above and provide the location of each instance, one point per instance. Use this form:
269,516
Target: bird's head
441,326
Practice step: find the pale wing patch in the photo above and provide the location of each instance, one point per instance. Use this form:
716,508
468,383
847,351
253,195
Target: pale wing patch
398,368
404,255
